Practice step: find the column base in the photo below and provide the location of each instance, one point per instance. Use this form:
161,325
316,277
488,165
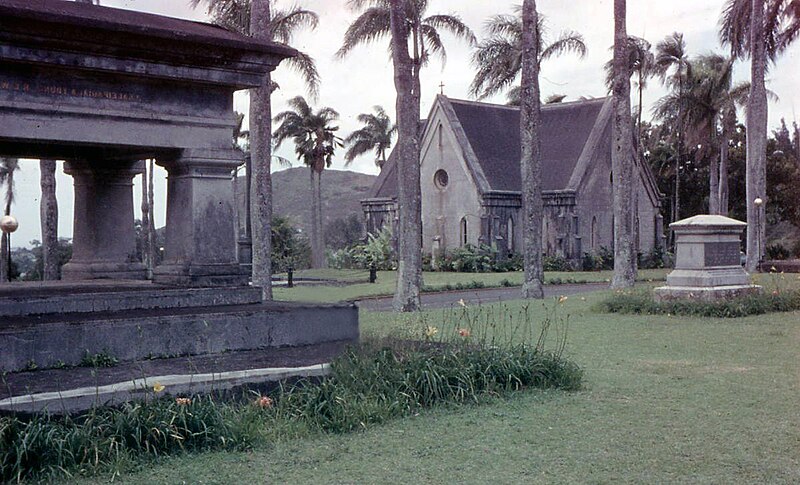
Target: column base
77,270
197,275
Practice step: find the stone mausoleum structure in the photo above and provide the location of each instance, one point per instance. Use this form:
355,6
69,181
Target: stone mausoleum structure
707,261
470,177
104,89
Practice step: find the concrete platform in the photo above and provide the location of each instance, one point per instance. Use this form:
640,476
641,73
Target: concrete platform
57,324
76,389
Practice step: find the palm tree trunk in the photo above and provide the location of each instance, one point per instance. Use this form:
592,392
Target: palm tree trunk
409,234
4,257
5,243
531,161
724,149
48,215
260,148
317,245
713,172
151,233
756,140
622,157
148,263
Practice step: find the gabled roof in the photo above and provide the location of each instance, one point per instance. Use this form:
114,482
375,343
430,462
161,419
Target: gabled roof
571,133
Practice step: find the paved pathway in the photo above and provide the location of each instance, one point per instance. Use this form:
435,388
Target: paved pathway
484,295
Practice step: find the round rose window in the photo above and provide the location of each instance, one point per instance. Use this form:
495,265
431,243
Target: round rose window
440,179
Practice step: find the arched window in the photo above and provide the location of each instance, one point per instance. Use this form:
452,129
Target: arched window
464,231
594,236
510,234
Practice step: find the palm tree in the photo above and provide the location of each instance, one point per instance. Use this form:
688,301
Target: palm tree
260,189
315,142
671,58
762,29
531,160
7,168
409,197
405,23
498,59
374,23
376,134
281,26
48,211
622,156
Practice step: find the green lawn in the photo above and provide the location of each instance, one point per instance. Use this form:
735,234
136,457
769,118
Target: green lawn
387,279
666,400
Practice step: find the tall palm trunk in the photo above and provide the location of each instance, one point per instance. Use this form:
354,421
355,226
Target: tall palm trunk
531,162
409,234
148,262
5,240
756,140
48,215
622,157
260,146
728,119
317,244
713,172
151,204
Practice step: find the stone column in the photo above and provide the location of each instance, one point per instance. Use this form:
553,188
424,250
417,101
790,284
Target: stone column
201,234
104,239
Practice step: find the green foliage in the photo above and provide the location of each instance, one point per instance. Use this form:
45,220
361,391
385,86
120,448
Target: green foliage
288,248
556,263
46,445
654,259
602,259
643,303
477,259
378,250
64,255
778,251
100,359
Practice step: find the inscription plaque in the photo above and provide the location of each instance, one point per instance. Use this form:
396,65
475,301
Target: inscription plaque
722,254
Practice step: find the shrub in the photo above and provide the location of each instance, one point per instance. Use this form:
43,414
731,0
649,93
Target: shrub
556,263
378,250
639,302
654,259
778,251
602,259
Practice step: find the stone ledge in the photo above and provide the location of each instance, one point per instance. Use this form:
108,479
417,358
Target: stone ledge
75,400
704,294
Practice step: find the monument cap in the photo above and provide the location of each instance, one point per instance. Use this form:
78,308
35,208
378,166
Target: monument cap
706,220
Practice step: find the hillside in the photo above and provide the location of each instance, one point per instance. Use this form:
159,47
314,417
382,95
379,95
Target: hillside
291,190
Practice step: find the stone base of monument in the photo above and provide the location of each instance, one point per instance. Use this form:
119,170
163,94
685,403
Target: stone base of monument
57,324
704,294
707,261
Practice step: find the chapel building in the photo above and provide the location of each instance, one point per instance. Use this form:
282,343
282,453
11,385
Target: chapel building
470,178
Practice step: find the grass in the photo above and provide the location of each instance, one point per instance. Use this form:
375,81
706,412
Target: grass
385,285
665,399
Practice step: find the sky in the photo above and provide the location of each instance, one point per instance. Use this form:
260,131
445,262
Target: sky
364,78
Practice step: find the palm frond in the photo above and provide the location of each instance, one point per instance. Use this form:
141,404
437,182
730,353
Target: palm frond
452,24
307,68
372,25
285,23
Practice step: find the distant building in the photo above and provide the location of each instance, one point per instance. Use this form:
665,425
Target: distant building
470,178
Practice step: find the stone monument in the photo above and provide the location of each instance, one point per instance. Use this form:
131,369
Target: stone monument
707,261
